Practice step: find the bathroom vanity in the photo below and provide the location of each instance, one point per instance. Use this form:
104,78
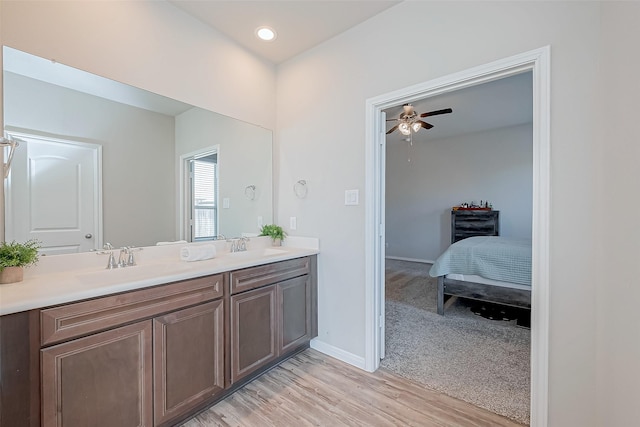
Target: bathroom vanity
151,349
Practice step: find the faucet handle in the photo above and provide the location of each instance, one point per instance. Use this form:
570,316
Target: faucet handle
131,261
243,243
111,264
122,259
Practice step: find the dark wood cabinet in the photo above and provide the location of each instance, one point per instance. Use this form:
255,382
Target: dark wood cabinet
253,331
469,223
271,313
294,301
154,356
102,380
188,352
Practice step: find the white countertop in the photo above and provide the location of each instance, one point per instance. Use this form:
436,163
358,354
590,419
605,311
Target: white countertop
61,279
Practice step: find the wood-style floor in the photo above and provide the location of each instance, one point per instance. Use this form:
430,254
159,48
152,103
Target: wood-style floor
312,389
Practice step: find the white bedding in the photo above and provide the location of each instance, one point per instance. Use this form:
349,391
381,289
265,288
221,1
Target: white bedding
480,279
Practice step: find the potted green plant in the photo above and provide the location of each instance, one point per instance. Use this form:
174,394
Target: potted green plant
14,257
276,233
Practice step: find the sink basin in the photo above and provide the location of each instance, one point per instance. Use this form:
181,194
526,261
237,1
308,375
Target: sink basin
135,273
258,253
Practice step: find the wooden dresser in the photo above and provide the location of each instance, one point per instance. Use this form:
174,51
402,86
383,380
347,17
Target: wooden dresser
469,223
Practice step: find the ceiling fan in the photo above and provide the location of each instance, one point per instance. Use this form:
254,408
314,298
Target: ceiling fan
409,120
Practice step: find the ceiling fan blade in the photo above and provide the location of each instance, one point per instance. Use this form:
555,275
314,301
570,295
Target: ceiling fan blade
392,129
392,120
435,113
425,124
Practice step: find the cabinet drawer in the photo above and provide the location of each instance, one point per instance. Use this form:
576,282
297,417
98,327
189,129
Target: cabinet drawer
82,318
254,277
474,223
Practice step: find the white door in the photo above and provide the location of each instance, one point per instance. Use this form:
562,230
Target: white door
54,195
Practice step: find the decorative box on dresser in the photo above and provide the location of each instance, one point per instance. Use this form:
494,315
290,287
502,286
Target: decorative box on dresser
468,223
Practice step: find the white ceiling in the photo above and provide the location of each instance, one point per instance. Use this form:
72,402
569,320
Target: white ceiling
493,105
300,24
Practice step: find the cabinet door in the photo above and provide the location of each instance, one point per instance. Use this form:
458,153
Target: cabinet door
100,380
188,359
294,301
253,331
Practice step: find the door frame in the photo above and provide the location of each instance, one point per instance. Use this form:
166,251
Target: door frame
98,230
537,61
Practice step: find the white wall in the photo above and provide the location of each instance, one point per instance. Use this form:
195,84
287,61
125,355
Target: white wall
148,44
137,151
618,292
244,158
329,85
494,165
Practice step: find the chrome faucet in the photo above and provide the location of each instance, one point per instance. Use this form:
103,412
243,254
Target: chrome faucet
108,250
125,259
234,245
238,244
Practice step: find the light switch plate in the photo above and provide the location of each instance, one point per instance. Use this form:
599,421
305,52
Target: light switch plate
351,197
293,223
225,203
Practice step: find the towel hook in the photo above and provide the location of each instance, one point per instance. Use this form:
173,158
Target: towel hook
250,192
300,189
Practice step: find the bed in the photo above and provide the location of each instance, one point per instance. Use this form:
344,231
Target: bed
485,268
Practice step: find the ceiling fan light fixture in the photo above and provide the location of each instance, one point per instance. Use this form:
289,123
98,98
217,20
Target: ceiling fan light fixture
404,128
267,34
416,126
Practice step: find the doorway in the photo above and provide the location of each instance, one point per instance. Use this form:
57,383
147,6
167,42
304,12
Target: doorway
199,201
536,61
54,194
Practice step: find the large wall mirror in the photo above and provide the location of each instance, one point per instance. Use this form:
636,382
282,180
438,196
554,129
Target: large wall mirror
104,162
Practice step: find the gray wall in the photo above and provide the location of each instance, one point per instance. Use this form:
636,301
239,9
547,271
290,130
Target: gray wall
137,153
244,158
495,165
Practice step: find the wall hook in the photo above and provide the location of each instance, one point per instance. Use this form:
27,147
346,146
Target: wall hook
250,192
300,189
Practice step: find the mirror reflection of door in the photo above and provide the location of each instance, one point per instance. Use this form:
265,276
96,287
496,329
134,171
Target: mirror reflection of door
203,196
53,194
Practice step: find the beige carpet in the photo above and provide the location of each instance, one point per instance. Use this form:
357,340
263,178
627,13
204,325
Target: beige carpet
481,361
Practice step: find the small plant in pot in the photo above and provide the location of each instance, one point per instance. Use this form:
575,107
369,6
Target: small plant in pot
14,257
276,233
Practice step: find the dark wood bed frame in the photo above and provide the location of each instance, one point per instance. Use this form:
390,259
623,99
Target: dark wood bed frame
479,291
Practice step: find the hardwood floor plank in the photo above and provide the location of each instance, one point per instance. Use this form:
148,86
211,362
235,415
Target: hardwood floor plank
312,389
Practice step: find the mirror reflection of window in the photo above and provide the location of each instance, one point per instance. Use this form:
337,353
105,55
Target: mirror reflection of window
204,197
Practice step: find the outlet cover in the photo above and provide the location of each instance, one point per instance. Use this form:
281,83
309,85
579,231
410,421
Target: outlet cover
351,197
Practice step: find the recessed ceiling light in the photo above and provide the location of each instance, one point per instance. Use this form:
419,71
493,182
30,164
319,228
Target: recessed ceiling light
266,33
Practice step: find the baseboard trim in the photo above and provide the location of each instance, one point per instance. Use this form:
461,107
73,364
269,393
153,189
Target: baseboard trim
338,353
399,258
